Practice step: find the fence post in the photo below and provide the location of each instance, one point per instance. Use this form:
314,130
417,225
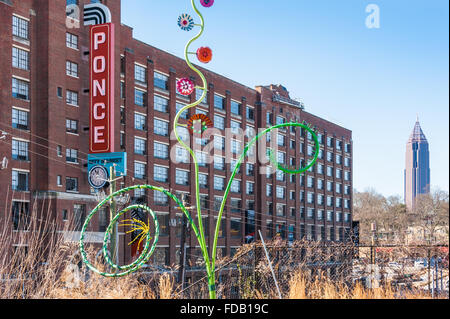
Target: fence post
429,269
270,265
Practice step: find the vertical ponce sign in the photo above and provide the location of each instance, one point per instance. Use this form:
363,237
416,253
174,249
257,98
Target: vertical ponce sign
101,89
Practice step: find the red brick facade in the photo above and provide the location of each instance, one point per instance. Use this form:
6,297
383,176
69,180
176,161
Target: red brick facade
48,109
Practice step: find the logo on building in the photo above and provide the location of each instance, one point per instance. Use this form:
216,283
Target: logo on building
96,13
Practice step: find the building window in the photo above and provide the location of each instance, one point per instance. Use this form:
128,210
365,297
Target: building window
330,216
161,81
250,169
160,199
20,181
281,157
329,171
281,210
160,151
235,186
320,215
235,228
347,217
235,205
21,215
269,190
347,162
161,174
72,69
140,146
59,180
161,104
235,127
71,156
182,177
280,120
310,213
140,170
329,157
140,74
280,176
330,142
20,59
203,180
20,119
71,126
219,163
310,198
281,192
219,143
140,122
202,158
219,122
347,204
330,201
72,184
348,189
20,150
181,155
338,188
281,140
348,148
250,114
161,127
72,98
236,108
72,41
347,175
198,95
320,200
20,28
140,97
185,114
20,89
219,183
219,102
235,147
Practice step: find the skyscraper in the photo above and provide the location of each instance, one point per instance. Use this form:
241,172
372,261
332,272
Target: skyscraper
417,172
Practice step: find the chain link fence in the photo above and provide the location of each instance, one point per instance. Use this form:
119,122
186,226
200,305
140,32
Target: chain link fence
250,275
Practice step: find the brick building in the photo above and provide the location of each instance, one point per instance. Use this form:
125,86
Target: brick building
44,113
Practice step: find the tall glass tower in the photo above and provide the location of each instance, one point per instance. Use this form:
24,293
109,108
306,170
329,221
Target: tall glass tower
417,172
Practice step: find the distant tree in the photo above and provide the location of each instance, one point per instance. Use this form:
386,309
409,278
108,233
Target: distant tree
431,214
368,208
388,214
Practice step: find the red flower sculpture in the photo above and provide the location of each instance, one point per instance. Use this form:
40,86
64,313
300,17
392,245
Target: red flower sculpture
204,54
185,86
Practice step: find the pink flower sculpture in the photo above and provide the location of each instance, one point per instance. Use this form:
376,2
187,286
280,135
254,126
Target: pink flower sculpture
185,86
207,3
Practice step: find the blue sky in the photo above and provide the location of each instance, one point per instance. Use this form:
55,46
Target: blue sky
372,81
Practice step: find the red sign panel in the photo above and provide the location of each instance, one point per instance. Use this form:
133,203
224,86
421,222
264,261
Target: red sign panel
101,89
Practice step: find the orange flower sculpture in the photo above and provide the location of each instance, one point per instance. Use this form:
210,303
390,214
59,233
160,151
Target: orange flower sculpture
204,54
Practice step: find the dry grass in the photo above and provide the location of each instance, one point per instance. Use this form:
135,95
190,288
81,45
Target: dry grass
47,270
301,288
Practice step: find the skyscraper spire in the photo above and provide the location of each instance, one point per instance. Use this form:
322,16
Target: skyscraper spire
417,134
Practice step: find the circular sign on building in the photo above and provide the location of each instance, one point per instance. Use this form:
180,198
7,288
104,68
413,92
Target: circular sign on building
98,177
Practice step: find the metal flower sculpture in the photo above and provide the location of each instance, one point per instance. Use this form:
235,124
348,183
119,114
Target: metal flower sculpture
185,86
197,124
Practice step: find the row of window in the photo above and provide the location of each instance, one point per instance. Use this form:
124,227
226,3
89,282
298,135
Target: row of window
20,151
